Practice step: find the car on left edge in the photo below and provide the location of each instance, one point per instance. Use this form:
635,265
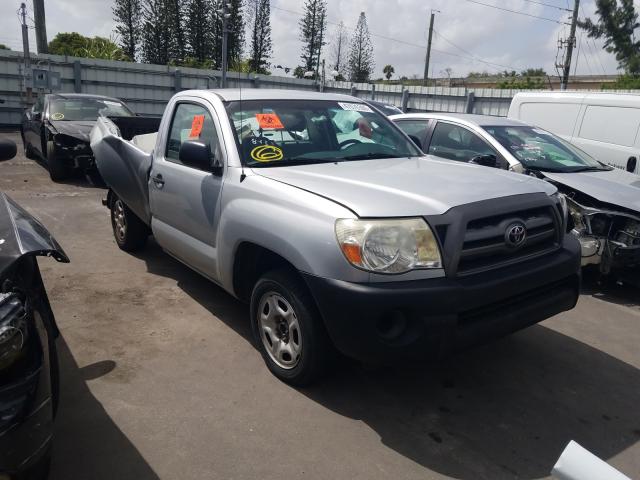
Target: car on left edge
29,375
57,127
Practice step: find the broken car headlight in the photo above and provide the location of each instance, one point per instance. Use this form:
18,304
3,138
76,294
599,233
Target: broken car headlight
577,216
13,329
388,246
561,201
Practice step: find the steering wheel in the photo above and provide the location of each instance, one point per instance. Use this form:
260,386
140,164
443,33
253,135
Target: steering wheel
346,143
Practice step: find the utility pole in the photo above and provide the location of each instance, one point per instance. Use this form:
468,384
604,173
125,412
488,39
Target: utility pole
570,45
41,27
25,50
428,59
225,13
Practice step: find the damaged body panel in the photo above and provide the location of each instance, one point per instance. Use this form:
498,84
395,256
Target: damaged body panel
57,128
29,378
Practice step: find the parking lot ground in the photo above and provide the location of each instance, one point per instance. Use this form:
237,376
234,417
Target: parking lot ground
160,378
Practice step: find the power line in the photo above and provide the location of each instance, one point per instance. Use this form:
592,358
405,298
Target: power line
472,55
518,13
549,5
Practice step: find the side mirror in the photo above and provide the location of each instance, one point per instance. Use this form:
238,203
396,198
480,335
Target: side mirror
8,149
632,163
485,160
416,140
198,155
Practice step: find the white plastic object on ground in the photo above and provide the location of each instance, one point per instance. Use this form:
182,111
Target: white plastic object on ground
577,463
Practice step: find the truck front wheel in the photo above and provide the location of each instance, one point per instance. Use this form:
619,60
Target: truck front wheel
58,171
129,231
288,330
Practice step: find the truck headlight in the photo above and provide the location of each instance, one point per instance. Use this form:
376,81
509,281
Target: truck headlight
388,246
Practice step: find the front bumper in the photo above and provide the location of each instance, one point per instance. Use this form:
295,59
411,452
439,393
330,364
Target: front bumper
77,155
427,319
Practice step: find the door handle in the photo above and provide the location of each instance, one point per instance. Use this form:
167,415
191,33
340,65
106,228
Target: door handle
158,181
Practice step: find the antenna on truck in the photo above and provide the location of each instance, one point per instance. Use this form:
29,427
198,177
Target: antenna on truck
242,174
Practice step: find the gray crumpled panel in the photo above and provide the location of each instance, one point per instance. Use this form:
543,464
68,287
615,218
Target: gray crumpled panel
123,166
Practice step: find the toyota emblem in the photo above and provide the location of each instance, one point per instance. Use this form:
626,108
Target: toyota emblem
515,235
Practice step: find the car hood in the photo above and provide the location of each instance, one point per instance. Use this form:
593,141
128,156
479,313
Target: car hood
21,234
76,129
405,186
615,187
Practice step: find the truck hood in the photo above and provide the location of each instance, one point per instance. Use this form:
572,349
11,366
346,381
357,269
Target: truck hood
75,129
21,234
405,186
615,187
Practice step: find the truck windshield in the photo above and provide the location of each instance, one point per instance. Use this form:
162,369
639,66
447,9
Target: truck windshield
86,108
292,132
538,149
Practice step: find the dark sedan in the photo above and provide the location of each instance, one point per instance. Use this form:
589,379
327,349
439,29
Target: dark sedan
28,358
57,127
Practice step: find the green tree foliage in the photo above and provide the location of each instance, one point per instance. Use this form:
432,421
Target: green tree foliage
128,17
76,45
235,25
534,72
199,33
156,37
4,47
261,46
361,62
625,82
388,71
339,50
522,83
313,26
616,24
175,20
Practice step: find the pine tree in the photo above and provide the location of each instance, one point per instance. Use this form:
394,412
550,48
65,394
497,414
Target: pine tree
617,25
261,46
128,17
361,62
199,32
339,50
175,23
235,26
155,32
313,26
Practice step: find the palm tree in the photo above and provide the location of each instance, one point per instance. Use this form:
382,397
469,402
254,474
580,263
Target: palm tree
388,71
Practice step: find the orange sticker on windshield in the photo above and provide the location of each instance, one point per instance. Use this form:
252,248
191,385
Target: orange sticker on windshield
269,121
196,126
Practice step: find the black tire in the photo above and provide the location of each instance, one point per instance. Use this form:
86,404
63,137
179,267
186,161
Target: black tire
317,352
58,171
54,375
28,149
130,232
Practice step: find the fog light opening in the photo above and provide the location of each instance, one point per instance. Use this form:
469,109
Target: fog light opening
392,325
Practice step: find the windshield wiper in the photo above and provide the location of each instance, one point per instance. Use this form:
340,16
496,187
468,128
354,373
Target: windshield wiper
546,169
287,162
592,169
368,156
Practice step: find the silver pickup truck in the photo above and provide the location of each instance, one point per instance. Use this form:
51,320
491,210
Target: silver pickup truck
340,234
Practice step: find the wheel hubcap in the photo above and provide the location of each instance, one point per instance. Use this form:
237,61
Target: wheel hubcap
279,330
119,220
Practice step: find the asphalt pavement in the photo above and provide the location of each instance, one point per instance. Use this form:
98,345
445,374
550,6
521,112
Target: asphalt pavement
160,378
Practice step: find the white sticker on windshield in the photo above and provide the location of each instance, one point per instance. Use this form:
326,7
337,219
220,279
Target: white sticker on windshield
109,102
355,107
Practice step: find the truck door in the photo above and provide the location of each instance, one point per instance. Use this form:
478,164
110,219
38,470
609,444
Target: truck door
184,200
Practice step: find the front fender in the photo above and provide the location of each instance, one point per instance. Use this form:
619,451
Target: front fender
22,235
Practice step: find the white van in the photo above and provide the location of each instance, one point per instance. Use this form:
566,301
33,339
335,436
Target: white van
605,125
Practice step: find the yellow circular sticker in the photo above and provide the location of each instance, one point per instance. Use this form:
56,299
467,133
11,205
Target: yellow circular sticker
57,116
266,153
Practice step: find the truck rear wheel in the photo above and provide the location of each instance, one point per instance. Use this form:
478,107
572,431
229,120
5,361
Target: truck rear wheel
288,330
129,231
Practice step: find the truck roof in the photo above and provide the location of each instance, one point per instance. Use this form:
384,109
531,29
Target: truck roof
235,94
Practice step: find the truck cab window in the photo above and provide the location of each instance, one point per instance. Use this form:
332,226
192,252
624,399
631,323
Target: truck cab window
191,122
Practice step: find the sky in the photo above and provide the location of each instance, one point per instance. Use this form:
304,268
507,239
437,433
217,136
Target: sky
468,36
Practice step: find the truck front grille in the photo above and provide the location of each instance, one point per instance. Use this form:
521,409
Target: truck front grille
486,245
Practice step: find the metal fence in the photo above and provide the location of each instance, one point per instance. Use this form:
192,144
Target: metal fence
147,88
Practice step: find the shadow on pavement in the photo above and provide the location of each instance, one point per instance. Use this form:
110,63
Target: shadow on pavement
87,443
624,294
505,410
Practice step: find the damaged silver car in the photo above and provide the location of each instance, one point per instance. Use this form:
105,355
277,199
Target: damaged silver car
604,202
